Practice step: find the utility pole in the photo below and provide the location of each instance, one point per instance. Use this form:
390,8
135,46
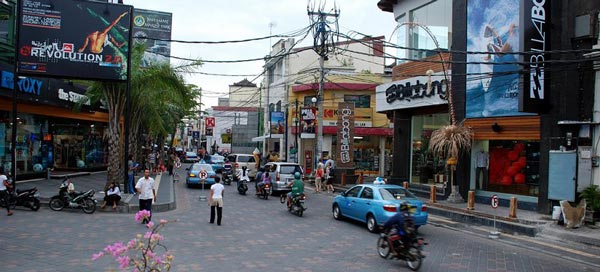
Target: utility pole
321,36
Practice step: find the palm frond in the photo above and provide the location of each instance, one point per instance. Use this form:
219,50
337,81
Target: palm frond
450,140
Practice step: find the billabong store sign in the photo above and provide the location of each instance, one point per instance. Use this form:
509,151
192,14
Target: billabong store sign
345,135
535,19
411,93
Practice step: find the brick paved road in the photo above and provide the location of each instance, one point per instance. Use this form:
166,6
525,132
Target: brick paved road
255,235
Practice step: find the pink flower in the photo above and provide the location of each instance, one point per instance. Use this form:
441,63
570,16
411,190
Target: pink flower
123,262
97,255
162,221
150,224
141,215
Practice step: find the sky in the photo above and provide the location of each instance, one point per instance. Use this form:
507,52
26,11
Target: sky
204,20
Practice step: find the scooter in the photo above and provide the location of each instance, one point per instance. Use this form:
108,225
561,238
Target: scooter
84,200
391,241
227,177
297,203
264,191
28,198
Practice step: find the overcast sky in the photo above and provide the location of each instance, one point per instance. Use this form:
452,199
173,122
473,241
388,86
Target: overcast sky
202,20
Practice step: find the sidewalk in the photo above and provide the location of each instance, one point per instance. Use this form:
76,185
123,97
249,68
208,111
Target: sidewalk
528,222
83,181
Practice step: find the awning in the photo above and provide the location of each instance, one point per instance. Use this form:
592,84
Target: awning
265,137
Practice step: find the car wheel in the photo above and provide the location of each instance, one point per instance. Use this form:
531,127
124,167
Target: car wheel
337,213
371,223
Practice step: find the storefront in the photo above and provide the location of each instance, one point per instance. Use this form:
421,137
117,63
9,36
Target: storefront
50,134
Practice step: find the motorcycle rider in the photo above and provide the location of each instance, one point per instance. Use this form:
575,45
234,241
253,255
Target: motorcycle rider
70,189
401,222
242,175
297,188
266,179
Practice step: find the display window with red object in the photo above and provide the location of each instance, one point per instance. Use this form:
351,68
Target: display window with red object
513,167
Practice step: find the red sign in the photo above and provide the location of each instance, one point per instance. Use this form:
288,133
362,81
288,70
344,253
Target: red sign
210,122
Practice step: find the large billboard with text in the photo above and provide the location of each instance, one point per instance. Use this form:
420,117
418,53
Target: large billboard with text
153,29
74,39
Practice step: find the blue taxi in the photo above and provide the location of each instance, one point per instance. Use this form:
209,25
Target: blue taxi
198,172
375,204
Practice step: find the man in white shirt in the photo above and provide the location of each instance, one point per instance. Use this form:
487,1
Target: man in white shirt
215,200
147,193
4,193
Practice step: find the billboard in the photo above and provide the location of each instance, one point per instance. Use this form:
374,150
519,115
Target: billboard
308,116
73,39
533,97
492,87
277,123
153,29
345,135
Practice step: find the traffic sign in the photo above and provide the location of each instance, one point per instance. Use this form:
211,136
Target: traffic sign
203,174
494,201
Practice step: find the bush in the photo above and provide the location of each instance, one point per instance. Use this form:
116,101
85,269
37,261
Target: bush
591,195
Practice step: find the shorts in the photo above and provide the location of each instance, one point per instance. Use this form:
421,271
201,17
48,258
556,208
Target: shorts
217,202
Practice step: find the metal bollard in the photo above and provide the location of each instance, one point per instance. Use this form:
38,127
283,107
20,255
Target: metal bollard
512,213
471,201
343,179
405,184
432,194
360,178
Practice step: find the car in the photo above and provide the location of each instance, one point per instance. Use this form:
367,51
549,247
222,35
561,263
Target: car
240,160
217,162
281,173
375,204
190,157
198,172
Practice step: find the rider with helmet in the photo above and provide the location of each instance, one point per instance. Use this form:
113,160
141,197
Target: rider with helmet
402,221
297,188
243,174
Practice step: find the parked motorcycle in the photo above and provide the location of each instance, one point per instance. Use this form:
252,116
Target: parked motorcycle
390,242
28,198
297,203
84,200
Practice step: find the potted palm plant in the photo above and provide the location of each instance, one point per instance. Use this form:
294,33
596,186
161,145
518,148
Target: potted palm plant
591,194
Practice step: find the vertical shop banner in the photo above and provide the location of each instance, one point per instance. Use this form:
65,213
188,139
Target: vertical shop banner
277,123
153,29
345,135
75,39
308,117
535,19
493,78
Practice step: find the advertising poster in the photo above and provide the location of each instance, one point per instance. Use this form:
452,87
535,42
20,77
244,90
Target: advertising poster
277,123
153,29
345,135
308,116
74,39
492,78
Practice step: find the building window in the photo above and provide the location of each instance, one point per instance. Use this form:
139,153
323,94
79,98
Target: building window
425,167
437,16
360,101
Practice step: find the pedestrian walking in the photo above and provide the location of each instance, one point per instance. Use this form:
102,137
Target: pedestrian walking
215,200
147,193
319,178
5,188
171,163
329,179
151,160
129,188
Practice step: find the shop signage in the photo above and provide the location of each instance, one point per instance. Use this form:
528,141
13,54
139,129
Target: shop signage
210,122
153,29
277,124
25,84
357,123
73,97
345,135
79,39
535,39
411,93
308,116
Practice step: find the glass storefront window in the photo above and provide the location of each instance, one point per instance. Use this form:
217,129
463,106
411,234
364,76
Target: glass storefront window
513,167
437,16
425,167
32,143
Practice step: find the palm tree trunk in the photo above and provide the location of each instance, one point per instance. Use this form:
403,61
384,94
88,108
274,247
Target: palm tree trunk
116,102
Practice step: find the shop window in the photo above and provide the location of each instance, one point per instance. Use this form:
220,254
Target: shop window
360,101
425,167
514,167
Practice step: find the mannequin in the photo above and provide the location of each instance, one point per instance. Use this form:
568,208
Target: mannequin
483,161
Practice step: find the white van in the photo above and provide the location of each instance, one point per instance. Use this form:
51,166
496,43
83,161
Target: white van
240,160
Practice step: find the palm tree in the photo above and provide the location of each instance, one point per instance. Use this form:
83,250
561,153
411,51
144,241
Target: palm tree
152,87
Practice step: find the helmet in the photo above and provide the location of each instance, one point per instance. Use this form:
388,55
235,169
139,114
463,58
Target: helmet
405,206
297,175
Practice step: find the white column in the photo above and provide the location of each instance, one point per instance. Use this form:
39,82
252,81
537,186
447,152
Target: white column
381,155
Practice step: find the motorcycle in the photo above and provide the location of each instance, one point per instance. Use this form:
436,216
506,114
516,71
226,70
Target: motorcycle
227,177
28,198
297,203
390,242
264,191
84,200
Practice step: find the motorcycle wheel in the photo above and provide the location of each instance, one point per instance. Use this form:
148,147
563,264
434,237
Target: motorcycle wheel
56,204
414,260
383,247
88,206
266,195
282,198
300,210
35,204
